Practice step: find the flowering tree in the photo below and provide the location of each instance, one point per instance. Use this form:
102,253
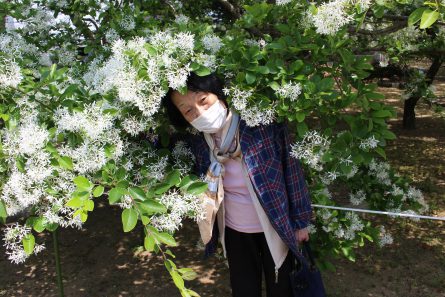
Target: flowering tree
81,85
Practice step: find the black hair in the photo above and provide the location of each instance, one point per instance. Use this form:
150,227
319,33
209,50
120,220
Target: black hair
209,83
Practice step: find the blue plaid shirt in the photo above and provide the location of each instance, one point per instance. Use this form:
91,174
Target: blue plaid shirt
277,178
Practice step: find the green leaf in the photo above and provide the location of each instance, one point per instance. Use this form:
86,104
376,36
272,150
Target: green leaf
197,188
388,134
429,17
380,151
177,279
187,180
161,188
415,16
83,183
300,116
250,78
115,194
173,178
383,113
89,205
3,213
129,219
166,238
202,71
149,243
75,202
187,273
28,243
65,162
302,129
137,193
98,191
151,206
39,224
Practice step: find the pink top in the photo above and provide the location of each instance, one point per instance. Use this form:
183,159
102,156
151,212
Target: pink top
240,213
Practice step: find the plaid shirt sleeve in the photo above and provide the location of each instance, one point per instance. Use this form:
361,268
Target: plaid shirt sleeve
297,190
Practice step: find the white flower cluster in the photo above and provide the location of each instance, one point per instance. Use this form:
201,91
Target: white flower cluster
368,143
253,115
349,232
261,43
212,43
13,237
97,130
25,186
331,17
358,197
111,35
311,149
328,177
380,170
385,237
28,183
91,122
133,125
156,169
127,23
183,157
14,45
182,19
10,73
289,90
417,196
174,53
179,206
283,2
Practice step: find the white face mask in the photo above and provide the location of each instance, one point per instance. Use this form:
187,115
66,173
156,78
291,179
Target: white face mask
212,119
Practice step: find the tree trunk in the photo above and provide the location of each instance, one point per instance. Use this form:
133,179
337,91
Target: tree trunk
409,115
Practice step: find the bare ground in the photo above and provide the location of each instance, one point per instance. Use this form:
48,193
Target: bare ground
101,260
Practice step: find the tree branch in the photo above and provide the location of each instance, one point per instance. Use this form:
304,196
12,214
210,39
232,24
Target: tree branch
233,10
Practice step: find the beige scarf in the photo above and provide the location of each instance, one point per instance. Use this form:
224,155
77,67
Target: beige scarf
214,195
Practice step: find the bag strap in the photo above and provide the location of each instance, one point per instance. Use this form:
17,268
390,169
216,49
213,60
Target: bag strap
305,255
309,252
230,133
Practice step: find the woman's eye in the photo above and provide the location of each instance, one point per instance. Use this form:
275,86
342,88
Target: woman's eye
203,99
188,110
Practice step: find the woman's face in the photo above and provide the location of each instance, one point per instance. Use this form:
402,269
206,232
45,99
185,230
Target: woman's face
193,104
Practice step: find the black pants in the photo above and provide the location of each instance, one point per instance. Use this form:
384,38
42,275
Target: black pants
248,255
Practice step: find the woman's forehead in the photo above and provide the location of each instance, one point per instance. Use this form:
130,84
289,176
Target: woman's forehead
181,99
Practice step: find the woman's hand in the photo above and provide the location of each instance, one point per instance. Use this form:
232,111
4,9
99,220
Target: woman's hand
302,235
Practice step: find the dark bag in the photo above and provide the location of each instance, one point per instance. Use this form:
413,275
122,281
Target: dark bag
306,279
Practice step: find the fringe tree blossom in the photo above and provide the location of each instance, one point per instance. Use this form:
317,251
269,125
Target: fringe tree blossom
182,19
283,2
10,73
157,169
330,17
289,90
212,43
385,238
179,206
134,126
13,237
357,198
380,170
369,143
253,115
183,157
311,149
127,23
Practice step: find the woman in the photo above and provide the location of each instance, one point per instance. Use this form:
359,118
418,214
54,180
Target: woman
266,206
